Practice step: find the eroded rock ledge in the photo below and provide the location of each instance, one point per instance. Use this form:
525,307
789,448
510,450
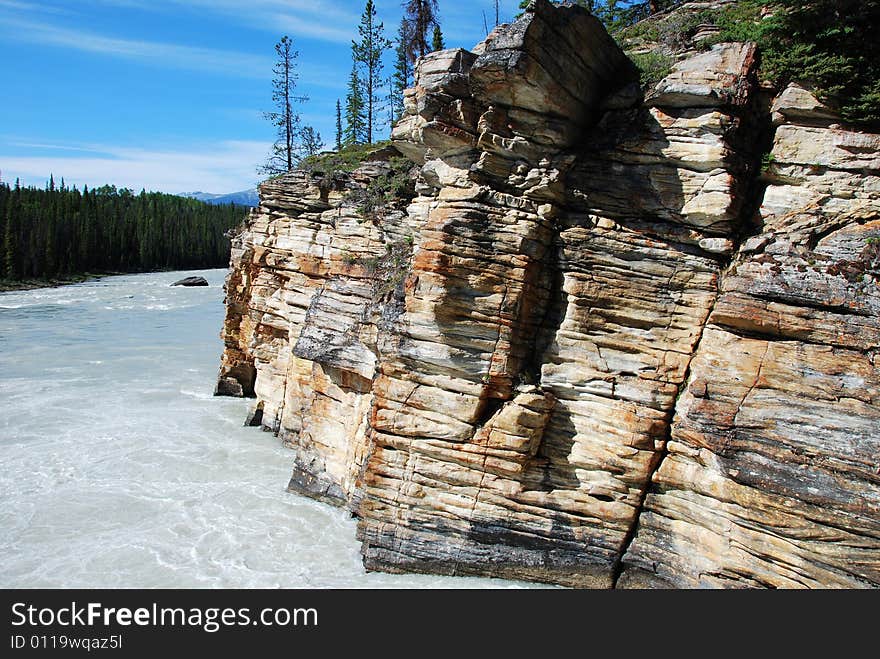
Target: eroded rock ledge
584,345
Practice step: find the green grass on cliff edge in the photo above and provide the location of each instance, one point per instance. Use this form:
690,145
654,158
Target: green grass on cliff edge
344,161
830,46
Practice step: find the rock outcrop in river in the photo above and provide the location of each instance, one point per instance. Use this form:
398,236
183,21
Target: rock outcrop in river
577,335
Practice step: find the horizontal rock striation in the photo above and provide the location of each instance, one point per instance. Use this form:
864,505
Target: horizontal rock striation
570,337
773,473
314,280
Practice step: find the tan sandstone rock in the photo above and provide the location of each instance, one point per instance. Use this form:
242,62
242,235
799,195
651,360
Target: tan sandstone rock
578,348
773,472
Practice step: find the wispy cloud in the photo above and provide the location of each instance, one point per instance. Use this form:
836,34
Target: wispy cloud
164,54
322,30
51,147
224,167
30,7
322,20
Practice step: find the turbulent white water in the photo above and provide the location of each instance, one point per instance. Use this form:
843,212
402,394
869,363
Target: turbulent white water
119,469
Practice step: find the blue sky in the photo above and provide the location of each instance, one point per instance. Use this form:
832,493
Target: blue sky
167,94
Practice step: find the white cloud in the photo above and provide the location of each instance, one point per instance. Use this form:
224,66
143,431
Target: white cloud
320,29
30,7
164,54
323,20
224,167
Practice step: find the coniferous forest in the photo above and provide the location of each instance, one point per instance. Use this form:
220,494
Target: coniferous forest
58,233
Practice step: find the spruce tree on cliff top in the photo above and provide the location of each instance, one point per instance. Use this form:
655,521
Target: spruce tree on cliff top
355,117
312,143
339,133
438,42
368,54
402,75
285,152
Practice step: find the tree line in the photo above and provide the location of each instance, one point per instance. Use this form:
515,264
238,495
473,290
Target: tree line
827,44
59,232
374,100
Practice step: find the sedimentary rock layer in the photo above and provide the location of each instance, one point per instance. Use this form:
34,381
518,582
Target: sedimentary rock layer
773,472
566,344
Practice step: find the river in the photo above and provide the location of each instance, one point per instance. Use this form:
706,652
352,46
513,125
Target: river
119,469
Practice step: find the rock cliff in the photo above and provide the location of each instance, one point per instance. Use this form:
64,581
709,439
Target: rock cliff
577,335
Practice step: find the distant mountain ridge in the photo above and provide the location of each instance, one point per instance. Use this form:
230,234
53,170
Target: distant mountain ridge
244,198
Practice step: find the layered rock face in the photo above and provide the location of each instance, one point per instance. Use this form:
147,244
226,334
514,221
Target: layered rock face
773,472
573,346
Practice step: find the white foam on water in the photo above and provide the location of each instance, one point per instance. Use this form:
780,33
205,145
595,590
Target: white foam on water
119,468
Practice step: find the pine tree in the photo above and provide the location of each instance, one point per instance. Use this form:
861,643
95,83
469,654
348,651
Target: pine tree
420,16
368,53
613,14
50,238
355,120
10,237
390,104
286,150
4,201
87,235
438,43
339,136
312,144
400,79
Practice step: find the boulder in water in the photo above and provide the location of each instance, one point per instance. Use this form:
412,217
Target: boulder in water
192,282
